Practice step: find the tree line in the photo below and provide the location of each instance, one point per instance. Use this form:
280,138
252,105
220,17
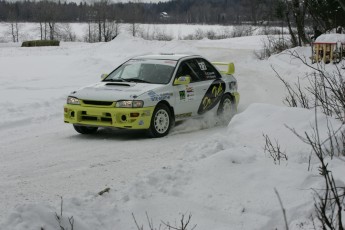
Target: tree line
178,11
295,14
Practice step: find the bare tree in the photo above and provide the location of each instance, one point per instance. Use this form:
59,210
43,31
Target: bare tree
287,17
14,27
47,17
51,18
299,9
101,15
91,15
107,26
64,32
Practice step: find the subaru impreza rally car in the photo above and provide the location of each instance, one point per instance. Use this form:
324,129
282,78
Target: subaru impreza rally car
151,92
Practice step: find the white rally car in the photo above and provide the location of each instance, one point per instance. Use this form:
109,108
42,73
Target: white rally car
152,92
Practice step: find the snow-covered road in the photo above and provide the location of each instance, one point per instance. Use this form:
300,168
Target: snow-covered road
40,162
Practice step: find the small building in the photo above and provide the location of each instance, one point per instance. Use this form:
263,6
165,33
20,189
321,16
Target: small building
328,48
164,15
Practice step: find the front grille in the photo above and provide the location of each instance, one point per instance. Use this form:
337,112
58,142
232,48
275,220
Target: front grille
101,103
107,120
89,118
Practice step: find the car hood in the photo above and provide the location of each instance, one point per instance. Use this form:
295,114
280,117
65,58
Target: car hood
113,91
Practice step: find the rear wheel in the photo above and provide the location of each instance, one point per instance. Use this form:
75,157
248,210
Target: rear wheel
226,109
161,121
85,129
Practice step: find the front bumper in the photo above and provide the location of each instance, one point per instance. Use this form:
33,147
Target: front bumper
127,118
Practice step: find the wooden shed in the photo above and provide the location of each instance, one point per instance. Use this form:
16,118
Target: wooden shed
328,48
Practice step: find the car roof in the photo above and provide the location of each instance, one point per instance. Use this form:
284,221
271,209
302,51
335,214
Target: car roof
168,56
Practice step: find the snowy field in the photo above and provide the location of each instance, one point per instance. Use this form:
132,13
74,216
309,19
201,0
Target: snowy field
31,31
220,175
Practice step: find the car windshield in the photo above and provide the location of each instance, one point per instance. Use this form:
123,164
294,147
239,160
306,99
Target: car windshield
144,71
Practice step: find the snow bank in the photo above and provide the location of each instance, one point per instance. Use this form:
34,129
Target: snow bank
331,38
225,182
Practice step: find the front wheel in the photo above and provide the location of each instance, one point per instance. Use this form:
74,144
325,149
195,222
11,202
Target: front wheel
226,109
161,121
85,129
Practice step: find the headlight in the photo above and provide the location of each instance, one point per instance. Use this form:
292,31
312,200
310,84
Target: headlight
129,104
73,101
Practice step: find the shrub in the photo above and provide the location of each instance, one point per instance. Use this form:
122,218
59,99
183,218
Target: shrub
197,35
157,33
242,31
325,92
272,45
271,30
64,32
274,150
40,43
325,89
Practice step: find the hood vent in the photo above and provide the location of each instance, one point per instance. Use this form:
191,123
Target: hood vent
118,84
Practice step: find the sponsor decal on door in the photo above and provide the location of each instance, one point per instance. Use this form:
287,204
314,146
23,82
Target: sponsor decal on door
212,96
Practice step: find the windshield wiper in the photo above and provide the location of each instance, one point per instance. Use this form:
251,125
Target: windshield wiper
135,80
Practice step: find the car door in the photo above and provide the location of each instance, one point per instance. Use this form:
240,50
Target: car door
189,100
214,86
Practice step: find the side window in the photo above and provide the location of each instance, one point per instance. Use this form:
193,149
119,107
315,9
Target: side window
195,69
186,68
206,70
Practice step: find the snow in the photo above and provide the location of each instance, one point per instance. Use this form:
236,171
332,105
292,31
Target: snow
31,31
331,38
221,175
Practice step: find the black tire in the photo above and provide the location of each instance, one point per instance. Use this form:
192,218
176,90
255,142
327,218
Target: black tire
161,121
85,129
227,108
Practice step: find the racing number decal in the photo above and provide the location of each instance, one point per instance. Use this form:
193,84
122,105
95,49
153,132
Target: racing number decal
212,96
202,66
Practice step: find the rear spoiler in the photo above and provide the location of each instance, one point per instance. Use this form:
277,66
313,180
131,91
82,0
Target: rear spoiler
230,67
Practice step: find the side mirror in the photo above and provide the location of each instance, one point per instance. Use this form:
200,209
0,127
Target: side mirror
104,76
184,80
